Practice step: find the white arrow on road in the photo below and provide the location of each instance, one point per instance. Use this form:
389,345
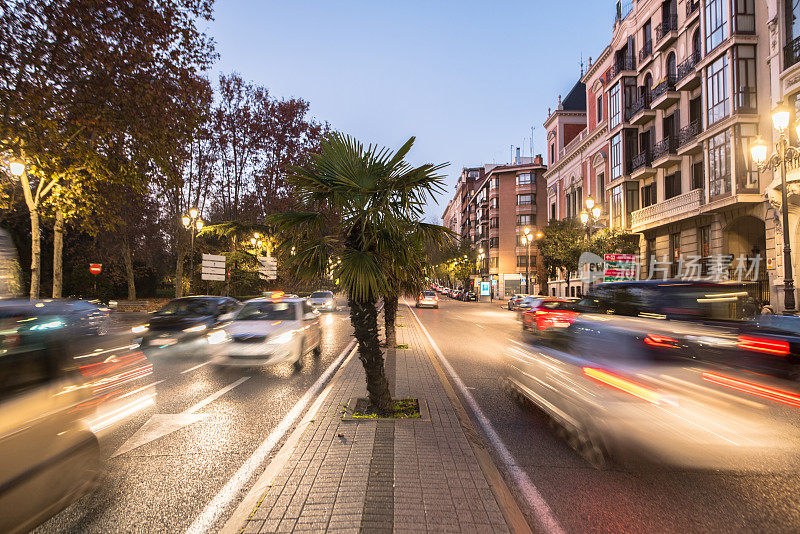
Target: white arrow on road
161,424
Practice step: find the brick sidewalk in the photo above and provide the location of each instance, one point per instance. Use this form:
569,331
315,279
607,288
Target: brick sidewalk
382,476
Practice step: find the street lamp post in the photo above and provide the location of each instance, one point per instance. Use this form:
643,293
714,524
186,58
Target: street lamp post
777,161
193,223
590,215
528,237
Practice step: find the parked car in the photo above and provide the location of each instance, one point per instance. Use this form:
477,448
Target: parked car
428,298
267,331
322,300
514,301
469,296
186,320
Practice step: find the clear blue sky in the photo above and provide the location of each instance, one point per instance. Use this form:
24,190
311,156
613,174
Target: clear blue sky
467,78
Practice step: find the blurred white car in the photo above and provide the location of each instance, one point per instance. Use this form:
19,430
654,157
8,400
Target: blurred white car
428,298
267,331
322,300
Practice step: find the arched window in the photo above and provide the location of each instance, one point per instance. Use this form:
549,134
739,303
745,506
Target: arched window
672,66
648,83
696,45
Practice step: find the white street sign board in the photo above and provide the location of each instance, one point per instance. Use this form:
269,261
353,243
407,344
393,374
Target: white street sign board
267,267
213,267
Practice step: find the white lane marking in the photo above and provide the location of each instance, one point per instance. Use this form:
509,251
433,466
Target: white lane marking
479,325
214,396
231,490
195,367
459,316
161,424
541,510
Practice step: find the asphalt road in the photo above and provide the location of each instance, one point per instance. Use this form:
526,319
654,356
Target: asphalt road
163,484
474,337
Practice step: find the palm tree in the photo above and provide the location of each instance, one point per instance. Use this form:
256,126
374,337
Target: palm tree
406,252
375,192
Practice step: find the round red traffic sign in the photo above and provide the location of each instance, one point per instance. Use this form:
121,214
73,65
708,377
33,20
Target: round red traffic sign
95,268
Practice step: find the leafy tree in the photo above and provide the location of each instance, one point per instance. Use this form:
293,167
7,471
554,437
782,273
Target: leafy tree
374,191
613,241
561,245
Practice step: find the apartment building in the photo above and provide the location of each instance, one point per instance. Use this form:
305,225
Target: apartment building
578,156
688,91
507,200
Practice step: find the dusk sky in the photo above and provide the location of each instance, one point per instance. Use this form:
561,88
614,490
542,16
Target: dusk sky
467,78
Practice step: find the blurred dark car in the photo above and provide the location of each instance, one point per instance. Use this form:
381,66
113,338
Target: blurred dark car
186,320
761,345
469,296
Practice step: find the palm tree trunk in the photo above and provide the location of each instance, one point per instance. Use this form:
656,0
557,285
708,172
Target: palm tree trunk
58,254
389,318
364,318
179,274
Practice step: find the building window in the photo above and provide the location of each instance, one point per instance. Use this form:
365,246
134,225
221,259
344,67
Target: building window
744,63
631,199
746,170
792,10
614,106
553,211
719,164
552,153
522,261
672,185
616,207
494,203
674,253
650,250
524,179
704,246
494,222
716,23
648,195
745,16
599,109
524,200
616,156
718,90
523,220
494,242
494,183
600,195
493,263
697,174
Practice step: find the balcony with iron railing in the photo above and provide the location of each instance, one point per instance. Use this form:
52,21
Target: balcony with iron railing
687,138
791,53
664,94
665,152
688,76
645,53
641,165
668,210
666,32
623,65
692,8
639,111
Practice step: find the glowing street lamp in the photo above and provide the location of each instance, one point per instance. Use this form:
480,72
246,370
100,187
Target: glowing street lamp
16,168
194,224
776,161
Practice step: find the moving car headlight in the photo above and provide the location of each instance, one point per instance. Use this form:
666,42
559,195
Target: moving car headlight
286,337
139,329
198,328
217,336
49,325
